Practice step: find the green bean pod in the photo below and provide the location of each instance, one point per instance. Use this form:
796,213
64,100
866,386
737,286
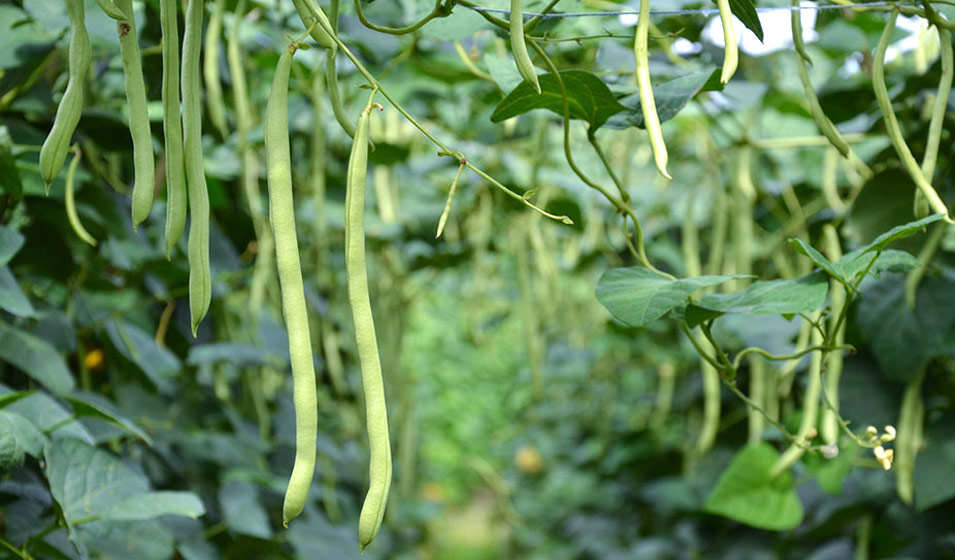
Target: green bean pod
334,95
111,9
731,53
57,143
648,105
210,69
892,124
314,19
519,45
373,509
909,439
144,164
294,309
172,126
941,103
70,201
810,410
200,276
829,424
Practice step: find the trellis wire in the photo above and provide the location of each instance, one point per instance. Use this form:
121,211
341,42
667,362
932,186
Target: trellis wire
697,11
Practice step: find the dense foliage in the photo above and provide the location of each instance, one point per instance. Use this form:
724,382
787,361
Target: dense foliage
629,381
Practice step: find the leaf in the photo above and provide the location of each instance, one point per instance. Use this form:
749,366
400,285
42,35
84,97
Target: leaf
588,98
36,357
830,473
18,436
13,396
934,477
12,299
747,493
815,256
745,10
243,511
85,405
852,264
638,296
159,364
240,354
10,242
772,297
9,176
49,416
154,504
900,232
905,340
670,97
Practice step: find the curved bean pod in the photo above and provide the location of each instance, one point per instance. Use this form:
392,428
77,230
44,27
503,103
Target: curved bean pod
294,309
144,164
373,509
314,19
200,277
647,104
172,126
110,9
892,124
57,143
731,54
70,201
334,95
941,103
210,69
519,46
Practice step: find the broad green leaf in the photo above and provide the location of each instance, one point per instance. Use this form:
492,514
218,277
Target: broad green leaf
503,70
90,405
36,357
814,255
830,473
747,493
235,353
772,297
10,242
154,504
9,176
745,10
49,416
243,511
12,299
18,436
588,97
900,232
638,296
854,263
159,364
670,96
934,477
905,340
13,396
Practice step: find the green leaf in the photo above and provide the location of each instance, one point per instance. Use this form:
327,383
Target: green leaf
854,263
745,10
243,511
154,504
747,493
13,396
638,296
830,473
18,436
670,97
10,243
157,363
772,297
900,232
814,255
36,357
84,405
934,477
12,299
9,176
588,97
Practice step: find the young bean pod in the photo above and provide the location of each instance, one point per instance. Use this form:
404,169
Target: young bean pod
144,164
373,509
334,95
70,201
313,18
519,45
911,418
294,309
647,104
829,425
109,8
200,276
210,69
731,53
810,411
892,124
941,103
172,126
447,205
57,143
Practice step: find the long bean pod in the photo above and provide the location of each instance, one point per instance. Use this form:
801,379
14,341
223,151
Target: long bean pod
829,424
892,124
57,143
519,45
172,126
810,410
70,201
648,105
731,52
294,309
210,69
312,15
373,509
940,107
144,163
200,276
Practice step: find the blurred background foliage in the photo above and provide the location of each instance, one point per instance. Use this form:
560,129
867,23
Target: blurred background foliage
526,423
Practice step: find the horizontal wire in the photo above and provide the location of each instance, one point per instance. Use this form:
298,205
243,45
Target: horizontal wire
698,11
